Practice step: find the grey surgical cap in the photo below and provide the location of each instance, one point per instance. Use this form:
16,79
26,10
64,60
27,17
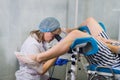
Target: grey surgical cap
49,24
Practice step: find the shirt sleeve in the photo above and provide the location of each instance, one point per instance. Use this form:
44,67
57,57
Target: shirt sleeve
33,49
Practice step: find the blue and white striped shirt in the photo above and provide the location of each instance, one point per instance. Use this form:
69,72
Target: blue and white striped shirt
104,56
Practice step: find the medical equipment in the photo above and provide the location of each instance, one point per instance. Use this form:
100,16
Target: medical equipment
75,58
96,72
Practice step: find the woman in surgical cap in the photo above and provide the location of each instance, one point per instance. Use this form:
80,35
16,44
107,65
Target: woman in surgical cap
36,43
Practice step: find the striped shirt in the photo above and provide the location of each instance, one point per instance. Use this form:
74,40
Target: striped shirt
104,56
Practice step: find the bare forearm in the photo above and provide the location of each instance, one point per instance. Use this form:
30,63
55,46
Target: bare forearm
114,49
47,65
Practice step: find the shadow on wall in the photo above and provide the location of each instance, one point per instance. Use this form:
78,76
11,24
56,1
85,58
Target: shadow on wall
8,65
4,67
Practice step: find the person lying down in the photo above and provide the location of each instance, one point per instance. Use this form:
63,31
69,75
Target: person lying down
103,57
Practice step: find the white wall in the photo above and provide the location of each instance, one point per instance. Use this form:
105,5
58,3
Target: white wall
107,11
19,17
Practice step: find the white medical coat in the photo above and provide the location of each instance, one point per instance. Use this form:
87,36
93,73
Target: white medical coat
31,46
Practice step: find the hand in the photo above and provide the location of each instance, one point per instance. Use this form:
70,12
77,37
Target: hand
27,59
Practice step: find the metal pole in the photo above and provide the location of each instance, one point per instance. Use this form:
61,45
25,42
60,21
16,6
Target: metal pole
76,13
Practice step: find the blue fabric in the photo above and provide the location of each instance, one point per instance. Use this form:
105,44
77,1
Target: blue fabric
85,28
61,61
103,26
49,24
93,67
102,69
86,40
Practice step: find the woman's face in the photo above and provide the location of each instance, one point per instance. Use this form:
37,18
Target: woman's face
48,36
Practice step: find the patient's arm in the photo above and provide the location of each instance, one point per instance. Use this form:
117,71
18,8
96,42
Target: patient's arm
114,48
110,41
110,44
47,65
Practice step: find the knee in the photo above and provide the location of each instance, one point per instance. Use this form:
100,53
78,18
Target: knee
90,19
